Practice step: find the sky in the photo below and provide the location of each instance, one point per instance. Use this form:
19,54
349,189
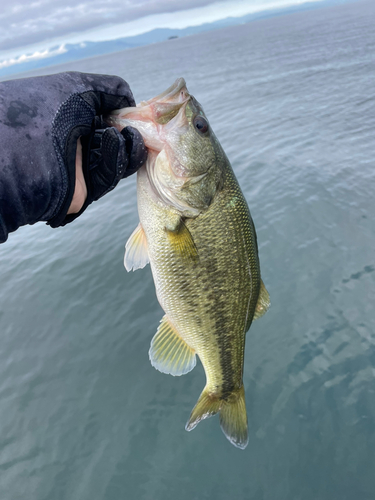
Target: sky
32,29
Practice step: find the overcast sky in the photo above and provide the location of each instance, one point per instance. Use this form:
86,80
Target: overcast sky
27,26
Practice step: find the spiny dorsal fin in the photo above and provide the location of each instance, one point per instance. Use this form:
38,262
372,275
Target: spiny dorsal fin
263,302
182,242
136,253
169,353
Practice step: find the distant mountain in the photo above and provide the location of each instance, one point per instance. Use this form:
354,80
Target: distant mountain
84,50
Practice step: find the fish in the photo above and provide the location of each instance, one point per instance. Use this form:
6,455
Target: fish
197,233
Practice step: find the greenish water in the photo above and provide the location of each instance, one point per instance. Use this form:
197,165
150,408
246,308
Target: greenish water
84,415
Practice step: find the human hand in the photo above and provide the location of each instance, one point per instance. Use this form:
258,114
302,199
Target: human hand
100,155
103,157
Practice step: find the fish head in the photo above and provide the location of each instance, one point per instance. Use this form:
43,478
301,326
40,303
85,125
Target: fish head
186,162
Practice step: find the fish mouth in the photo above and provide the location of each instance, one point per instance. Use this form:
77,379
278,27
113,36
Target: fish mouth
166,106
159,110
176,93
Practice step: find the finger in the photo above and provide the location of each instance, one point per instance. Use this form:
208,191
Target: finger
135,148
114,159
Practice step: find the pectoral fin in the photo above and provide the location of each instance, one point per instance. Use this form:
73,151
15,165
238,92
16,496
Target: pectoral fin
182,242
263,302
136,253
169,353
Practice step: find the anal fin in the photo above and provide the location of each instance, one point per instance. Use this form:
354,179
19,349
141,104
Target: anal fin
169,353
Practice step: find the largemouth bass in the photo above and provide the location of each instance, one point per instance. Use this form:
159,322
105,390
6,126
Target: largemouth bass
198,235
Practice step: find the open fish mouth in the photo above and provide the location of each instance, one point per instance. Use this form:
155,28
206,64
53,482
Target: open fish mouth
160,109
166,105
177,92
150,116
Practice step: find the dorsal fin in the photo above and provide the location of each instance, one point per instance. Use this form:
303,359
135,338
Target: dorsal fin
169,353
136,253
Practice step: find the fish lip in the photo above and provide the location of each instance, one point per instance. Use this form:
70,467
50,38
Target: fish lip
168,94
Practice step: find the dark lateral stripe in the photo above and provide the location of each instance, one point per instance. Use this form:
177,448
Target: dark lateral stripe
225,344
226,370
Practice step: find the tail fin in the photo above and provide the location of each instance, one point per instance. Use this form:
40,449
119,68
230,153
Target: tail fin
233,417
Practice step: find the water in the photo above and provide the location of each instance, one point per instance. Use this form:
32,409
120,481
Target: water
84,415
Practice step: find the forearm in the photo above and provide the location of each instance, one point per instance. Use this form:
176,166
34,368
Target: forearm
32,184
18,203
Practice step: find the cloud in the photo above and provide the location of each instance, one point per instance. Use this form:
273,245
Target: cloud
33,57
27,23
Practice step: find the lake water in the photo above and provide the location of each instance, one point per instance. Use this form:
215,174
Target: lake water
85,416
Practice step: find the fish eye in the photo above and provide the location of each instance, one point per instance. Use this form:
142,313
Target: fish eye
200,124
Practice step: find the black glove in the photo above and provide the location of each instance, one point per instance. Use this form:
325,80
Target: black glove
41,119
